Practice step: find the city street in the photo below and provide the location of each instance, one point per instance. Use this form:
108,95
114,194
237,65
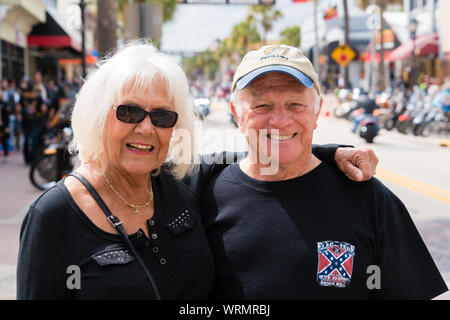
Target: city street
415,169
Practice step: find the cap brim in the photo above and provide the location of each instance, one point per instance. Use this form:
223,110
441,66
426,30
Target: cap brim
300,76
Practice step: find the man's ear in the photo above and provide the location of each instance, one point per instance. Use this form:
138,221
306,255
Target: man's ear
233,111
318,112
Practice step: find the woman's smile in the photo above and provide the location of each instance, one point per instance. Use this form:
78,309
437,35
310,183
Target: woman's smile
140,148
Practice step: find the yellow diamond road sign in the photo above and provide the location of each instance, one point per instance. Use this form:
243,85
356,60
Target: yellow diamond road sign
343,55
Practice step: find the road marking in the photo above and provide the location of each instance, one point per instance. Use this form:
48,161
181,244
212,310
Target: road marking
414,185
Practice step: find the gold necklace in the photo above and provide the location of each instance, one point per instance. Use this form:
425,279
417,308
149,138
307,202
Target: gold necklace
133,206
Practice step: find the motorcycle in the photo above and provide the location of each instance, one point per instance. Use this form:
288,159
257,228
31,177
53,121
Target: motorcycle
421,117
53,164
54,161
436,122
369,128
347,103
397,108
345,109
365,120
413,108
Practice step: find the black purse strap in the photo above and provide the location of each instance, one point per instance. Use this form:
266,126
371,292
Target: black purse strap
117,224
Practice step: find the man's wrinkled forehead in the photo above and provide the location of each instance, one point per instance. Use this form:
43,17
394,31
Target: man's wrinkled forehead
276,81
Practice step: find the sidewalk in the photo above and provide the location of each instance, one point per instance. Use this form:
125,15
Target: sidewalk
16,195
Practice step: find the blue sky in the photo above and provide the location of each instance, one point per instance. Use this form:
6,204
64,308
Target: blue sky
195,27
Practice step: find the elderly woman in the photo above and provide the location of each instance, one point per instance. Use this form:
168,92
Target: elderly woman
70,246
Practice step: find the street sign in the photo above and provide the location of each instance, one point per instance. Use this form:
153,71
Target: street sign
343,55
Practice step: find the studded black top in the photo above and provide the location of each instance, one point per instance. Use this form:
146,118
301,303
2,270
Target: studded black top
64,255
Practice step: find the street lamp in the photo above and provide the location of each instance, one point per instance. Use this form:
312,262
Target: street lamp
413,25
82,5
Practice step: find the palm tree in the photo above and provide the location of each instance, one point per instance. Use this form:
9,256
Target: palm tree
106,26
203,63
291,36
264,16
169,7
242,37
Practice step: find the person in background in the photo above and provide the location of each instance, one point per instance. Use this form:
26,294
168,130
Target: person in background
5,111
39,86
33,114
12,100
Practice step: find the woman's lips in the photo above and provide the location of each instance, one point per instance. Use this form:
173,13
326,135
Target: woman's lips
140,148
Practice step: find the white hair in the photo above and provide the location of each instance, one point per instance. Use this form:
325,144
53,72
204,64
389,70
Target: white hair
235,99
132,67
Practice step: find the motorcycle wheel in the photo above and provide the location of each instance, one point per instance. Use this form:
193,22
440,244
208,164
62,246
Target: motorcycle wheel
368,133
417,129
389,124
43,172
338,112
402,128
426,130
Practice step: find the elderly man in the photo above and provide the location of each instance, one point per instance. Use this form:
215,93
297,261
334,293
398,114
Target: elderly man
303,230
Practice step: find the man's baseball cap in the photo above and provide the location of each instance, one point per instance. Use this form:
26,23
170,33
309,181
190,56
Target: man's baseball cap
280,58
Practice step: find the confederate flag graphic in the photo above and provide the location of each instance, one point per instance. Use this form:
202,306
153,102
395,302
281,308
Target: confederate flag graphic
335,263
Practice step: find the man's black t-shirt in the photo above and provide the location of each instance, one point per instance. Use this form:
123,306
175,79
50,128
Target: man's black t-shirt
318,236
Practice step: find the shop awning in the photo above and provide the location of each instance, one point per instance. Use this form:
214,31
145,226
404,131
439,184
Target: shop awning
367,55
90,59
51,41
425,45
52,34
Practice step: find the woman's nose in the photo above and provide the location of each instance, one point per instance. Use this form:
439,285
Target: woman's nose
146,126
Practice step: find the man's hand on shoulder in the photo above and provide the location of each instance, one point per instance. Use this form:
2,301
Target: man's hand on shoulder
357,164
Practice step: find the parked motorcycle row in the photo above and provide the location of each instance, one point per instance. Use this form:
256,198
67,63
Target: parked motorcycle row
420,113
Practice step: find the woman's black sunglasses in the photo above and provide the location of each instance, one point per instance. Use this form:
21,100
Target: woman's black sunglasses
159,118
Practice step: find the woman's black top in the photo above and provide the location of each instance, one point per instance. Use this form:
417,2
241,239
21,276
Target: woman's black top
64,255
57,238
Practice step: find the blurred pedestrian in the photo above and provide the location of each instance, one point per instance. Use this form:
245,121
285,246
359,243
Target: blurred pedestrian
39,86
33,114
5,111
12,100
53,93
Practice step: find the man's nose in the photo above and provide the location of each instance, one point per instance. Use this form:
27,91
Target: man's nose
280,118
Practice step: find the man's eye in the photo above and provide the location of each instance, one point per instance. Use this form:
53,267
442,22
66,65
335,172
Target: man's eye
262,108
297,107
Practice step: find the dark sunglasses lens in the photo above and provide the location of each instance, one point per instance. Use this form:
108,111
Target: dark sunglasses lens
163,118
130,114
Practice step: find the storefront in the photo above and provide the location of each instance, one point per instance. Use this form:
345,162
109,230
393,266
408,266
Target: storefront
16,21
50,42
